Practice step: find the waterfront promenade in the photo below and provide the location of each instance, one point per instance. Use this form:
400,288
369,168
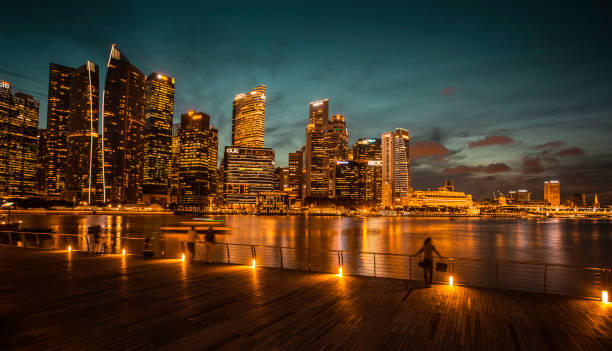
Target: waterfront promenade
56,300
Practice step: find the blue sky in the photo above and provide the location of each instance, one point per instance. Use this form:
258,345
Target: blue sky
512,76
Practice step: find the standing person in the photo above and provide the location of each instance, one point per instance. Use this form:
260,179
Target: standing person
428,250
209,242
90,241
191,238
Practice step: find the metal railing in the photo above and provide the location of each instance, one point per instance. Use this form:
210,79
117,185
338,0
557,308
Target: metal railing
560,279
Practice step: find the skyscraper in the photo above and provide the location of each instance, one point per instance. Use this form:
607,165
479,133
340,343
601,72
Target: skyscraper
174,164
82,162
159,109
58,113
198,142
296,177
346,180
317,162
18,142
123,130
247,172
552,192
336,144
395,165
248,119
368,153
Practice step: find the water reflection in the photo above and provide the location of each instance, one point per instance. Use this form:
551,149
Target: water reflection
587,243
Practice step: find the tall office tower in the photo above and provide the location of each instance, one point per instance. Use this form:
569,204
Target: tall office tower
395,165
346,180
159,109
247,172
296,177
317,163
123,130
42,161
248,119
58,113
552,192
174,164
368,153
198,142
18,142
336,144
82,161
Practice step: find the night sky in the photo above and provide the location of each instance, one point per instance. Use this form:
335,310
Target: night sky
494,96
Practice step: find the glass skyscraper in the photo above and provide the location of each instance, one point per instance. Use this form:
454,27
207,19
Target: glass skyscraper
395,166
159,110
248,118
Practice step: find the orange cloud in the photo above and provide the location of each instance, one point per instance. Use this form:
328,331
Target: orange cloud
492,168
431,149
491,140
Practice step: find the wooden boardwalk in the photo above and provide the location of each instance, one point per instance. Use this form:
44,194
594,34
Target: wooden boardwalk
52,300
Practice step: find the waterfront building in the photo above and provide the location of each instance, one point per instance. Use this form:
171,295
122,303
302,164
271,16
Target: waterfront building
42,161
58,113
396,165
18,142
272,203
523,196
368,152
449,185
346,180
247,172
296,175
367,149
248,118
317,163
282,179
198,142
174,165
82,161
159,110
441,198
552,192
336,143
123,130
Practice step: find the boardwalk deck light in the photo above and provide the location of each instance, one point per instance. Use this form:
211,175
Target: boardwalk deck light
451,280
123,252
253,264
69,248
604,296
340,271
183,257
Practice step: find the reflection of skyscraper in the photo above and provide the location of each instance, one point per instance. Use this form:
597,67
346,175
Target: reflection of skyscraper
159,109
552,192
198,142
82,164
396,165
123,124
249,116
317,163
58,113
18,142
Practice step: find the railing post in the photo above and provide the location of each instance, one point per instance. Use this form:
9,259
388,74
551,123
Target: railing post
309,264
375,265
10,236
280,249
228,255
37,240
545,269
409,267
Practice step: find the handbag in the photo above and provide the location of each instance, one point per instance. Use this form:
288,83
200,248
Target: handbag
441,267
422,264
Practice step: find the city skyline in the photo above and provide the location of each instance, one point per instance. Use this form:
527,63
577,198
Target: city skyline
540,117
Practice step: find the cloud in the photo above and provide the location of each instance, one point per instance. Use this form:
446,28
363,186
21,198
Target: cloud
551,144
431,149
532,164
492,168
572,151
491,140
448,90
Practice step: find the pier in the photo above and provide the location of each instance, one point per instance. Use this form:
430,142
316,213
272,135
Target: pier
55,299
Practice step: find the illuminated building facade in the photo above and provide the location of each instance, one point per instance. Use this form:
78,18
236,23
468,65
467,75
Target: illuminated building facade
82,164
58,113
18,142
198,142
248,119
42,160
247,172
124,121
396,164
346,180
552,192
336,143
159,110
272,203
296,175
368,153
437,198
174,164
317,163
